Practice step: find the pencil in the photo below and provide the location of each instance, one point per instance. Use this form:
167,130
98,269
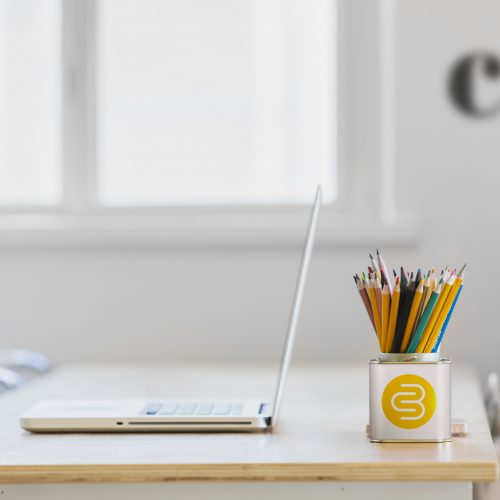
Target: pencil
403,286
412,317
378,295
415,339
403,317
366,301
432,286
393,317
423,302
443,330
386,304
403,283
376,269
418,277
443,314
374,306
445,290
409,310
384,271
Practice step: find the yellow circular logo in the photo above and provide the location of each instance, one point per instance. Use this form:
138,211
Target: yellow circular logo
409,401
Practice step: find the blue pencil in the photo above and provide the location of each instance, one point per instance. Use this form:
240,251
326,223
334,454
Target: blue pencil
441,333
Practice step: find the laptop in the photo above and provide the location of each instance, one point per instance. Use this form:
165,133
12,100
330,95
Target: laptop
186,415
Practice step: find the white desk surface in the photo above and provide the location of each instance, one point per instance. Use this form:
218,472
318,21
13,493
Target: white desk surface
321,435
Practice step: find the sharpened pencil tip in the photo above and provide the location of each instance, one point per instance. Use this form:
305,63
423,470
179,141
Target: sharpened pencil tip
461,272
378,253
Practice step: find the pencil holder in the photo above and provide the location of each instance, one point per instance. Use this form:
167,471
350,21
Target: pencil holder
410,398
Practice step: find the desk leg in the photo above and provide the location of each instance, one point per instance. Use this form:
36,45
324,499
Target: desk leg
321,490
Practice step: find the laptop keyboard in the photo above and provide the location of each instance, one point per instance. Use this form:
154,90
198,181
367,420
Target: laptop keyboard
192,409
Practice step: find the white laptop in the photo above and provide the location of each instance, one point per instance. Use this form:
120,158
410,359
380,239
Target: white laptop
186,415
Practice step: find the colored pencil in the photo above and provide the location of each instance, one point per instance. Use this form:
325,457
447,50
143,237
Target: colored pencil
403,317
384,271
378,295
415,339
432,286
445,290
366,301
443,314
374,306
412,317
445,326
423,302
409,311
393,317
376,269
386,304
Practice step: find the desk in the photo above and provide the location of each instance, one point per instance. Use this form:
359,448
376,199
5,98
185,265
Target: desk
319,449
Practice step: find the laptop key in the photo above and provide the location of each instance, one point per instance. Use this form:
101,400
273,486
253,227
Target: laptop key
222,409
169,409
237,409
186,409
205,409
151,409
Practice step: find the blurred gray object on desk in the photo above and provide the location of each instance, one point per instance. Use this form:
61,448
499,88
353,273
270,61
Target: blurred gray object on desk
492,403
27,363
9,379
19,365
491,491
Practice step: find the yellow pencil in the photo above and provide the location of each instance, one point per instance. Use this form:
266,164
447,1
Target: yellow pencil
393,317
373,303
386,300
432,287
423,302
378,295
445,290
445,310
410,323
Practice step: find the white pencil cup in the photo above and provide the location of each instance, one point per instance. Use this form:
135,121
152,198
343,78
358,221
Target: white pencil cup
410,398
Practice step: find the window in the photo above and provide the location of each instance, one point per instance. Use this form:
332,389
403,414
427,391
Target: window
170,121
30,102
221,102
168,103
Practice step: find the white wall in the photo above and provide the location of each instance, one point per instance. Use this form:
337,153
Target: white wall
195,304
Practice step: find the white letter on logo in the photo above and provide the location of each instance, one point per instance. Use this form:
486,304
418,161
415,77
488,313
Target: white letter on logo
410,401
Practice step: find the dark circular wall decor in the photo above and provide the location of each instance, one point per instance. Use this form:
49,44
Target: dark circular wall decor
467,72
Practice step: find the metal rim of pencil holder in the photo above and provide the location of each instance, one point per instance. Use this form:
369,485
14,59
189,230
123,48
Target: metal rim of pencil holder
407,357
410,398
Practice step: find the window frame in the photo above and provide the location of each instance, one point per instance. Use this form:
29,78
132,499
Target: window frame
365,208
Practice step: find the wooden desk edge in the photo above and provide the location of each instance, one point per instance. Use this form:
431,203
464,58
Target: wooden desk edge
140,473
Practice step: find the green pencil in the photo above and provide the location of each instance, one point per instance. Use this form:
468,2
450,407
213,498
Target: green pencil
415,339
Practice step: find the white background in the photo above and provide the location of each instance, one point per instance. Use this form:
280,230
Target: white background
215,304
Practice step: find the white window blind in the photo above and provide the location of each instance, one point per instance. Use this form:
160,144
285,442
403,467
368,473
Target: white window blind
192,103
213,103
30,102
